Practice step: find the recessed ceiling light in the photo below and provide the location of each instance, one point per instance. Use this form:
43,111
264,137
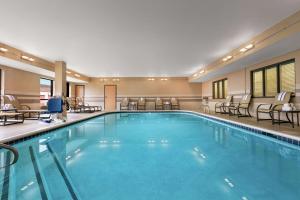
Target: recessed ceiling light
227,58
243,50
151,79
164,79
249,46
3,49
202,71
195,75
68,72
77,75
27,58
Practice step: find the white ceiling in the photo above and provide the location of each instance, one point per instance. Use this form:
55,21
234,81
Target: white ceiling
136,37
279,48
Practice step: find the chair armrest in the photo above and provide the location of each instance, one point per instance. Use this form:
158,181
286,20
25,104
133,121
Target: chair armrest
219,104
25,107
264,105
274,107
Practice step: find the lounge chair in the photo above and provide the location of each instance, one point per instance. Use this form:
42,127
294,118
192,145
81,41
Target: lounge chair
124,104
167,104
244,104
8,118
280,99
174,104
205,105
96,108
223,107
84,107
72,106
141,105
158,104
21,108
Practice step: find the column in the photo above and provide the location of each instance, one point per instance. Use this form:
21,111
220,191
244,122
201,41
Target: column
60,78
61,84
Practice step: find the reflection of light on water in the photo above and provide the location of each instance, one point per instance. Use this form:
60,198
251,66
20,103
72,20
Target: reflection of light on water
151,141
229,182
77,151
113,143
25,187
164,141
231,186
68,157
116,143
198,153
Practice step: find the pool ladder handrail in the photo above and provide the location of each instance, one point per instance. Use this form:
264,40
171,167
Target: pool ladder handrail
13,150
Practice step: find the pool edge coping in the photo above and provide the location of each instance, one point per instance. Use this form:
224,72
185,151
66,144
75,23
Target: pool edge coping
257,130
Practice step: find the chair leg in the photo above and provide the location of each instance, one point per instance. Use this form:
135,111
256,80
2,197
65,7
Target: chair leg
248,112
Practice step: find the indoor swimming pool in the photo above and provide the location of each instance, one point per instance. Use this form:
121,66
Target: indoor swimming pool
152,156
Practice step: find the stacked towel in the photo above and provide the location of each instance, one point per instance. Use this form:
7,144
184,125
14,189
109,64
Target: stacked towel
245,97
281,96
287,107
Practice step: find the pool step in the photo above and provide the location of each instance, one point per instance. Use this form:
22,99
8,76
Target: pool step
30,181
55,181
63,173
6,174
41,180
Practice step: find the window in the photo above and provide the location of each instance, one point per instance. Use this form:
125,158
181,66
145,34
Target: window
258,83
271,81
46,90
220,89
268,81
288,77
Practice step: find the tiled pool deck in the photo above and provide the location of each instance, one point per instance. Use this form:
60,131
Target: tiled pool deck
283,132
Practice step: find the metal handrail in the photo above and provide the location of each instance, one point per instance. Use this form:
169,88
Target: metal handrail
13,150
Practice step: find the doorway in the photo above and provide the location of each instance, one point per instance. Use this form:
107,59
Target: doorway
79,90
110,97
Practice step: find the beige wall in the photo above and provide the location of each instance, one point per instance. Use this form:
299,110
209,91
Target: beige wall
24,85
189,94
239,82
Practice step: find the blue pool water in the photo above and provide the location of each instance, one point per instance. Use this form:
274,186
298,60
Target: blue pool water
155,156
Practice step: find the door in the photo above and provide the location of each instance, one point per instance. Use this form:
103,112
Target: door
110,97
79,90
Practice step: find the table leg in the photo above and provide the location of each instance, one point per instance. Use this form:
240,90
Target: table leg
287,116
292,119
278,117
297,118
